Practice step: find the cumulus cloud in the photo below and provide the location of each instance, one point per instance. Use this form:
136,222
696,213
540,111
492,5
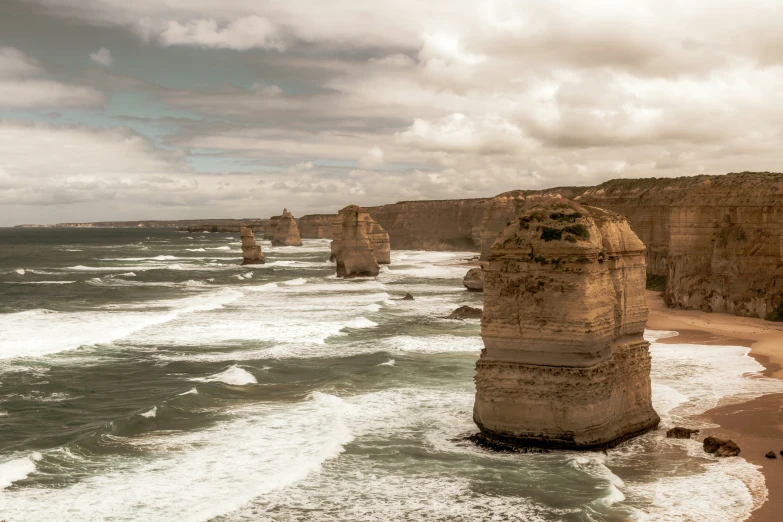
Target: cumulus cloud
102,57
372,159
25,84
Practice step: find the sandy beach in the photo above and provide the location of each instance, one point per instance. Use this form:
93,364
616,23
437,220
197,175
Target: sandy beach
756,425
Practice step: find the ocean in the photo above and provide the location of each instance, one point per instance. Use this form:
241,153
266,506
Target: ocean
146,375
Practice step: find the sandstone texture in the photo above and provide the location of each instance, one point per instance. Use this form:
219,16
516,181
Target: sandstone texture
251,252
283,230
474,280
356,237
564,362
316,226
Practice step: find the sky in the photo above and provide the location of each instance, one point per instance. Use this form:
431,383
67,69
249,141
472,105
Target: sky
175,109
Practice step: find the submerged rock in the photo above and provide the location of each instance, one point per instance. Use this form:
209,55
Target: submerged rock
564,363
354,233
681,433
286,231
251,252
474,280
408,297
466,312
720,447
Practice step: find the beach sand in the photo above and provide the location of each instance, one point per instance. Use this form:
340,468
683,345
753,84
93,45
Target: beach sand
756,425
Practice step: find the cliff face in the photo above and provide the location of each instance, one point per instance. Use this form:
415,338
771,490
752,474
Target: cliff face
352,244
717,239
316,226
564,362
251,252
431,225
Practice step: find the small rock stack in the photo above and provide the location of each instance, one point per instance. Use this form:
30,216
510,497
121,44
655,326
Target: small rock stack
474,280
251,252
359,243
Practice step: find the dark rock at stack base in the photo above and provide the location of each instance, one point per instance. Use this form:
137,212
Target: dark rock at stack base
564,363
720,447
474,280
408,297
771,455
466,312
251,252
681,433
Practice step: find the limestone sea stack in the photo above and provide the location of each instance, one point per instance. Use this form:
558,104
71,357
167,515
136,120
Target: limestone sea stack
251,252
564,363
357,239
286,231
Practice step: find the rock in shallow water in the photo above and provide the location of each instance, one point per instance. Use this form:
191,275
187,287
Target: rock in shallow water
721,447
283,230
474,280
564,363
771,455
466,312
359,243
681,433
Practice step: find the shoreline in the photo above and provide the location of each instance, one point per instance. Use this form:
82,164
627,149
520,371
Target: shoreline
754,425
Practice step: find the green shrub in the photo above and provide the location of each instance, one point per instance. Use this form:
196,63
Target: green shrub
579,230
551,234
776,314
656,282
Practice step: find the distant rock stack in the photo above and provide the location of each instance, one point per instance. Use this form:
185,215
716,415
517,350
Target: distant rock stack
251,252
474,280
270,230
356,238
286,231
379,242
564,363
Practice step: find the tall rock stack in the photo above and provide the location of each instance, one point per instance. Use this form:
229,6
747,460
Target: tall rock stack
270,230
357,238
564,363
286,232
251,252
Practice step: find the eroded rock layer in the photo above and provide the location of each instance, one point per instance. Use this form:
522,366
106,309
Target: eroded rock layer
355,233
251,252
564,361
286,231
316,226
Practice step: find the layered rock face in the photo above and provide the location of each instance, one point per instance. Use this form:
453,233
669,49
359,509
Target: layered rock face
717,239
355,233
379,242
316,226
251,252
431,225
564,361
285,231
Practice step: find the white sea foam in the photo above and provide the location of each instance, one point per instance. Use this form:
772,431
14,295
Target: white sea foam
19,271
433,344
60,331
295,282
195,249
264,448
17,469
151,413
220,248
233,375
40,282
390,362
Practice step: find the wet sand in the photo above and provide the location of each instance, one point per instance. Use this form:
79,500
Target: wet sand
756,425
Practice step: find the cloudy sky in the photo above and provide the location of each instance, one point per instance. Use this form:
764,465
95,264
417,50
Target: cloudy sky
141,109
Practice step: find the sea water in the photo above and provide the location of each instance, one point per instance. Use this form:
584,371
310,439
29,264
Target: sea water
146,375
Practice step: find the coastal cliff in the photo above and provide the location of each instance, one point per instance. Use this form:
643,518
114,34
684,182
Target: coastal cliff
431,225
316,226
564,362
717,241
